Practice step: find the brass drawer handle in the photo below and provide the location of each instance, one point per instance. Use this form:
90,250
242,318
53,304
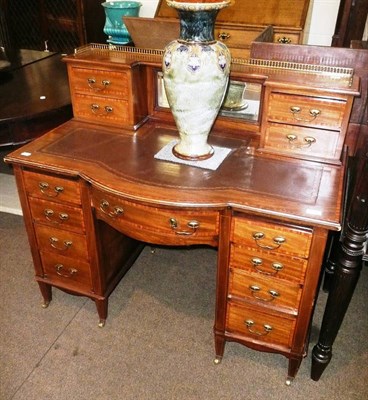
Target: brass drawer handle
69,272
256,289
284,40
224,36
279,240
46,190
49,215
193,225
110,211
55,243
266,328
92,84
307,141
96,109
313,113
257,262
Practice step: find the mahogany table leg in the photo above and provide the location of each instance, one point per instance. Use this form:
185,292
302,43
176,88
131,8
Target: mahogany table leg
102,307
46,291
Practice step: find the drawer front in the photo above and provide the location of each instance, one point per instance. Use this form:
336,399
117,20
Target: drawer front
70,273
303,141
259,326
236,38
306,111
53,188
286,38
271,237
158,225
61,242
103,110
99,82
57,215
263,290
266,263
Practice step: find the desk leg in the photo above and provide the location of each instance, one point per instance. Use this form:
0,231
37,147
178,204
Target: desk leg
46,291
102,307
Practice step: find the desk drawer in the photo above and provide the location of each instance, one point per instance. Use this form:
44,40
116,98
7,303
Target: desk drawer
57,214
69,273
51,187
264,290
307,111
155,224
261,327
62,242
271,237
100,82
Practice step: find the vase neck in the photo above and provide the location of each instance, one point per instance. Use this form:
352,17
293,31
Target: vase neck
197,26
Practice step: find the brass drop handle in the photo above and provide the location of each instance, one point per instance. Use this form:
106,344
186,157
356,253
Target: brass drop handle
96,109
279,240
111,211
92,84
256,289
224,36
49,215
193,225
65,273
266,328
55,243
307,141
48,191
284,40
296,111
276,266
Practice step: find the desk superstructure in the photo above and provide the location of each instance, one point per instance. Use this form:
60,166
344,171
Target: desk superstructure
93,193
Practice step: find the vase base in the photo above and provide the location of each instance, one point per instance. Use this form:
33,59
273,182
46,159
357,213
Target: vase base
194,158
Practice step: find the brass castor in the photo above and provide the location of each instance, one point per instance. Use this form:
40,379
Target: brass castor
102,322
217,360
45,304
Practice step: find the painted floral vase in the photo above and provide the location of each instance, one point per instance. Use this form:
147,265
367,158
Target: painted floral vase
196,73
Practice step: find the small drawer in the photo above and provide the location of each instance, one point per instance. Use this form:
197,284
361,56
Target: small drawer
271,237
303,141
100,82
267,264
316,112
62,242
258,326
57,214
51,187
236,38
69,273
157,225
264,291
286,37
106,110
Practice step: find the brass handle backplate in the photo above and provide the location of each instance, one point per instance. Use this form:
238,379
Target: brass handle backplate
92,84
266,328
312,114
257,263
97,110
278,240
284,40
224,36
271,294
193,225
111,211
56,244
50,216
65,273
305,143
48,191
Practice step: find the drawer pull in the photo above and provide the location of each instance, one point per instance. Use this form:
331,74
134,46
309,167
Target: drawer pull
284,40
96,109
267,328
49,214
257,262
193,225
255,289
54,242
313,113
307,141
92,82
279,240
112,212
67,274
224,36
46,190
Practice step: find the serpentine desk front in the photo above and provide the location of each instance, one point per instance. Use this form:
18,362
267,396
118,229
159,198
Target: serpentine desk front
94,192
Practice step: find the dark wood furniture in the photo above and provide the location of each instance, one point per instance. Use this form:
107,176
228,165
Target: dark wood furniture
93,193
34,97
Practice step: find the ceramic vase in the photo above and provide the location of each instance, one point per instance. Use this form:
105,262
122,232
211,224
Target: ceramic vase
196,71
114,27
